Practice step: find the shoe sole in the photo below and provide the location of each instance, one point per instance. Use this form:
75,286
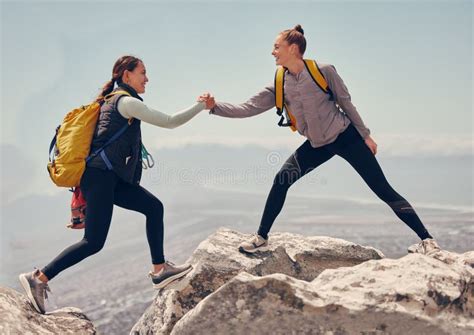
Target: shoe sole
26,285
171,279
252,251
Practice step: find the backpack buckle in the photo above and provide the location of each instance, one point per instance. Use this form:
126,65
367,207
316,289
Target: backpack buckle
282,116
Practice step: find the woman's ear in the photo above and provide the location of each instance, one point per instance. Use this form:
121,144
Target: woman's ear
294,49
126,76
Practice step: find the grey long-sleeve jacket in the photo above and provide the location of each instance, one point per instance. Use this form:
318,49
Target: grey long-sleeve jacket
317,117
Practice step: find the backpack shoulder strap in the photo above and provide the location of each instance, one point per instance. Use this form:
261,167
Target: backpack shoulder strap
111,95
279,81
317,75
280,100
100,150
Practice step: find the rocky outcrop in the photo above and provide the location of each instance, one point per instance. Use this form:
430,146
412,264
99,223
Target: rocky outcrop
17,316
217,261
416,294
302,285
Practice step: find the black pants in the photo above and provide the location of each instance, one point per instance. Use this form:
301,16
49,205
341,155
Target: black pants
102,189
350,146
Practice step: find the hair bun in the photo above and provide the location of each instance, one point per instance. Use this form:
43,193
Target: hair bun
299,28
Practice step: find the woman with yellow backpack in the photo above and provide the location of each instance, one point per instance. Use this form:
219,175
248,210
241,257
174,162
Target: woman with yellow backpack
112,177
317,104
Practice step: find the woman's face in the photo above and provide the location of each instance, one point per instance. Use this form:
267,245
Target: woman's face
282,51
136,78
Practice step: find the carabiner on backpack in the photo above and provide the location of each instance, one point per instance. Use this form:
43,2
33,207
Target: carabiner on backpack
147,159
283,116
285,113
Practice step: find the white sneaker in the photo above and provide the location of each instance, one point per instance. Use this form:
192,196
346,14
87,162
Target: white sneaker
36,290
254,244
426,247
170,272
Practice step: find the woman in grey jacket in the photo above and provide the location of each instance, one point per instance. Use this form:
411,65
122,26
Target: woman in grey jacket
329,131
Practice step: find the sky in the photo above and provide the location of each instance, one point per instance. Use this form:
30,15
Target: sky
408,66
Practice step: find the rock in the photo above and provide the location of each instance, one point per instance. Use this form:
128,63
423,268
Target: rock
216,261
17,316
415,294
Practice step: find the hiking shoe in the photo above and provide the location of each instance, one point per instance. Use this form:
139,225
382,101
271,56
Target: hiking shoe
168,273
426,247
254,244
35,289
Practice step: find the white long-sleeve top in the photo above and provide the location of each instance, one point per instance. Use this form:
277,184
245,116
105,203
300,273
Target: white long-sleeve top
130,107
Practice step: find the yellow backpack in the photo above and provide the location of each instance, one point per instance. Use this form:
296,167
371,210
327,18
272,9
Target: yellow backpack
70,147
282,108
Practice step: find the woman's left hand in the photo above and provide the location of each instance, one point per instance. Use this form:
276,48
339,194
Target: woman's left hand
371,144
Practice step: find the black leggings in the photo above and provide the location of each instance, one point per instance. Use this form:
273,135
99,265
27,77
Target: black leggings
102,189
350,146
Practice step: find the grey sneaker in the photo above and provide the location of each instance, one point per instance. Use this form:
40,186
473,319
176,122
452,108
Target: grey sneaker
35,289
426,247
254,244
168,273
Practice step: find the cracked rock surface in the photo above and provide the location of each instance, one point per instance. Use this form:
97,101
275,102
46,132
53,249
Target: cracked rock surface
314,285
17,316
217,261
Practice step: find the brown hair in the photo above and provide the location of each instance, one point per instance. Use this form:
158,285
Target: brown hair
123,63
295,36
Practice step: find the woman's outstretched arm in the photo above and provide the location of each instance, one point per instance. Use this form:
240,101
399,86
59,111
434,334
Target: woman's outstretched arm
130,107
259,103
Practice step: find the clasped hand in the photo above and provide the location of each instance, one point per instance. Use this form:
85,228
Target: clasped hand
208,99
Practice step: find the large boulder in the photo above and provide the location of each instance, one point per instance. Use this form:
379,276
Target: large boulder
415,294
217,261
17,316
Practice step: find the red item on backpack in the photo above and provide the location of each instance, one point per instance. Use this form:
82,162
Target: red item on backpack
78,210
